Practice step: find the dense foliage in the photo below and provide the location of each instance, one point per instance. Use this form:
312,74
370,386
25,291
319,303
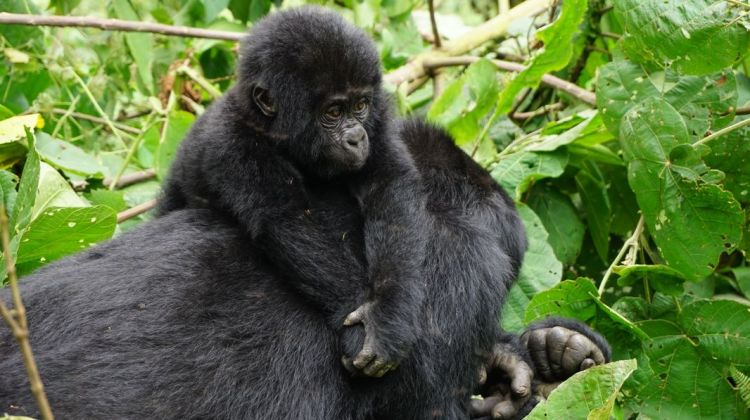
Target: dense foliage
636,203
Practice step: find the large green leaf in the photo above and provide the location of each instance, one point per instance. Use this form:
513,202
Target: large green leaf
692,222
60,231
569,298
561,221
731,155
589,394
593,191
466,101
518,171
66,156
540,271
690,361
703,101
54,191
557,38
692,36
27,189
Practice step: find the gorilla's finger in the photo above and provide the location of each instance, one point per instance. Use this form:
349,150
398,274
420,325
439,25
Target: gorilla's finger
521,378
504,410
587,363
482,375
577,349
364,358
536,343
557,337
597,355
375,367
481,408
355,317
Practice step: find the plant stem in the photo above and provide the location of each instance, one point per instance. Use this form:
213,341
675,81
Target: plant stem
631,242
725,130
18,324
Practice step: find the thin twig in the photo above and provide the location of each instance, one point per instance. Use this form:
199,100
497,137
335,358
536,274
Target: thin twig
107,121
631,242
493,28
537,112
132,178
19,325
92,118
725,130
116,25
570,88
433,23
135,211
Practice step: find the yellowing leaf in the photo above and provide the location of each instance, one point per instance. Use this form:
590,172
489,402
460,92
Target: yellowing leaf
11,129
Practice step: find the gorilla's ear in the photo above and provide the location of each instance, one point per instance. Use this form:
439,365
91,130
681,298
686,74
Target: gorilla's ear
263,101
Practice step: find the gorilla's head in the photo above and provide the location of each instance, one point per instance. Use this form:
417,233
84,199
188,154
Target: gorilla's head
315,81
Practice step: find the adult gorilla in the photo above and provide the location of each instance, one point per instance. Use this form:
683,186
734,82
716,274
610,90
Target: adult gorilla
189,316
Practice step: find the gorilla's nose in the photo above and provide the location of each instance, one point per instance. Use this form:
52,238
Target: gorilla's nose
355,136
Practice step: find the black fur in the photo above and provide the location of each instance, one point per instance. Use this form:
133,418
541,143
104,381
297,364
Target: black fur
185,317
259,169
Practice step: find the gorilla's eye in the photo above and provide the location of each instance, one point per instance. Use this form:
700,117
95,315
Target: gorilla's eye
361,106
334,112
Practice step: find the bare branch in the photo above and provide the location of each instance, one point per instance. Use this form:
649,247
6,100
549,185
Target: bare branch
116,25
493,28
93,118
570,88
19,325
133,178
135,211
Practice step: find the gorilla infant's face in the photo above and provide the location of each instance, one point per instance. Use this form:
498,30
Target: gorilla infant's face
341,119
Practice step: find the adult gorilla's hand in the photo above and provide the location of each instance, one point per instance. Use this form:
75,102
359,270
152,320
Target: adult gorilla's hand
561,347
505,382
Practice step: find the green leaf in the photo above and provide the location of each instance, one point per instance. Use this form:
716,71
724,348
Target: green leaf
540,271
112,199
689,367
589,394
660,277
569,298
593,191
691,222
466,102
557,38
141,45
731,155
27,188
54,191
60,231
66,156
173,132
703,101
691,36
518,171
8,183
561,221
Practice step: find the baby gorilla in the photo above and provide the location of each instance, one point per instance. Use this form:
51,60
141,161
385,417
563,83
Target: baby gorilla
308,109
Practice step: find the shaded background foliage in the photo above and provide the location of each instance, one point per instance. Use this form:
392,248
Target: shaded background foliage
636,203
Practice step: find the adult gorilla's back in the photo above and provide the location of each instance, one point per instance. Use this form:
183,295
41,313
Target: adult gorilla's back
182,318
167,322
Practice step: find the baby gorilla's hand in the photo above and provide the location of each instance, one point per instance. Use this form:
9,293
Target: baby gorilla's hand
508,389
379,354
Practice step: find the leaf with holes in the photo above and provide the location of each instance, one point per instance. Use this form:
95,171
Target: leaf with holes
691,222
60,231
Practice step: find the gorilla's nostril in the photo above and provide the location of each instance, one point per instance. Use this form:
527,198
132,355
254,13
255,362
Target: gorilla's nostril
352,142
